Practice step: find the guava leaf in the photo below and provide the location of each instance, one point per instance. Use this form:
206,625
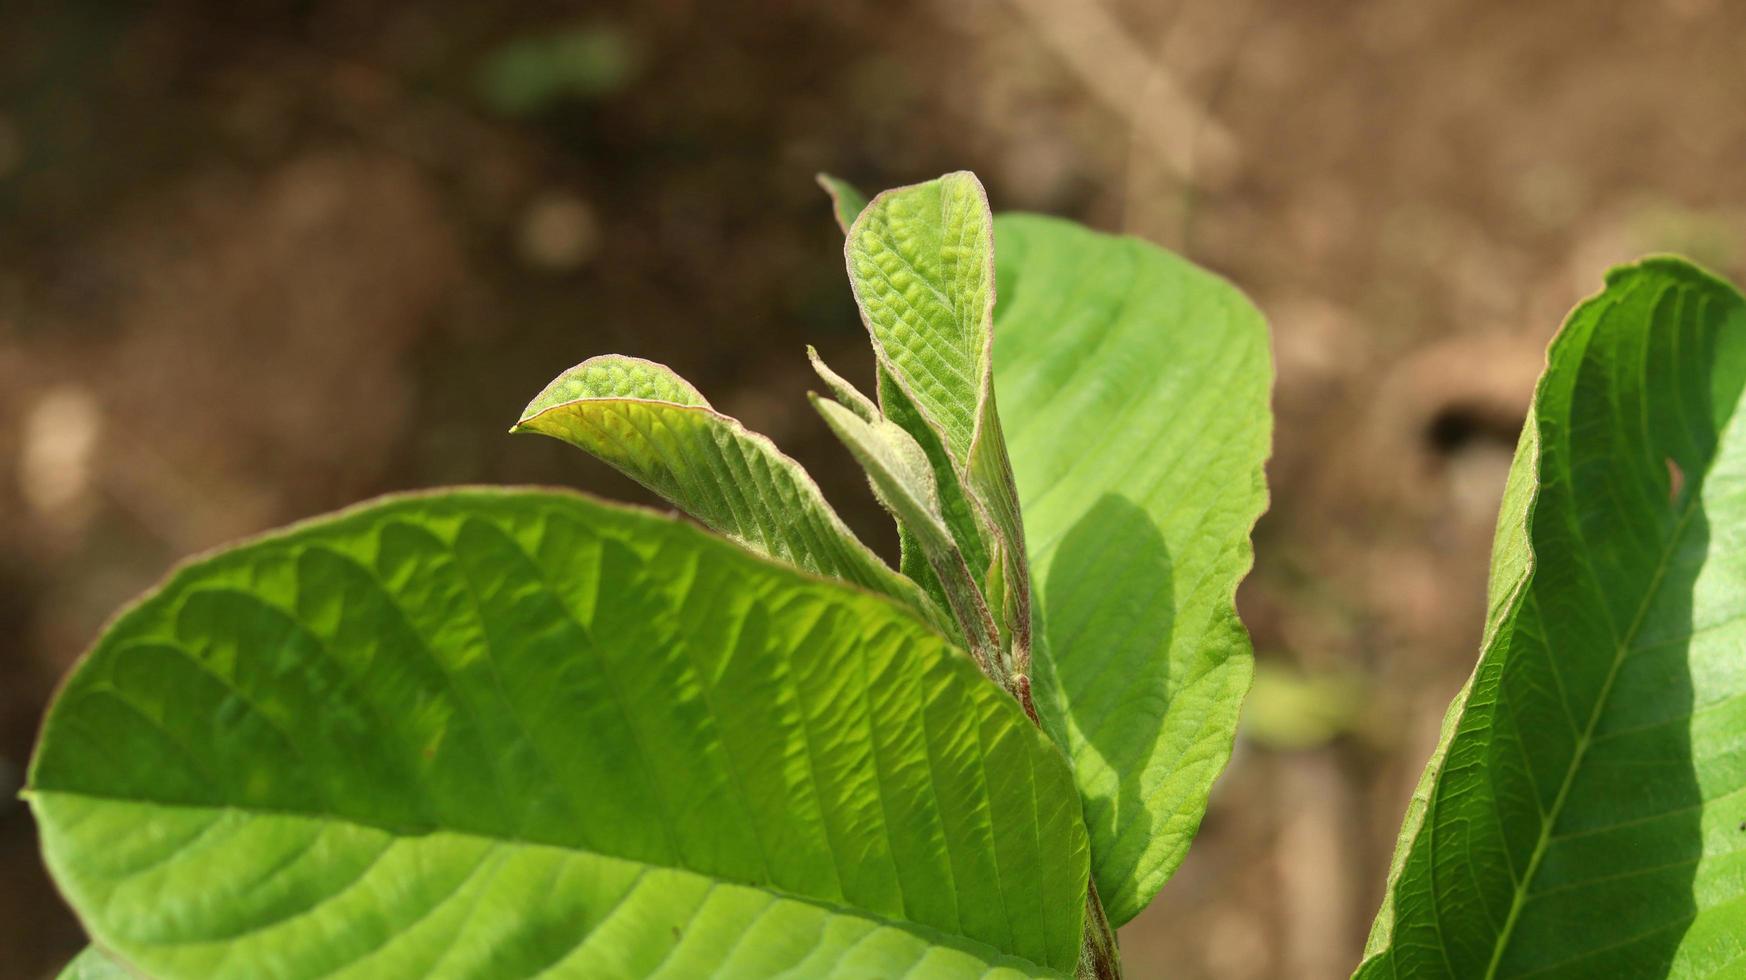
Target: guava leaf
1135,388
653,426
969,528
500,733
904,483
961,518
847,394
921,263
92,964
1584,813
616,376
913,562
847,202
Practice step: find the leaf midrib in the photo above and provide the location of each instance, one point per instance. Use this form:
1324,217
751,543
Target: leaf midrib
1549,819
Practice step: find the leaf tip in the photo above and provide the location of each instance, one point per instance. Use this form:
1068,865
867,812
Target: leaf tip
847,202
529,423
830,408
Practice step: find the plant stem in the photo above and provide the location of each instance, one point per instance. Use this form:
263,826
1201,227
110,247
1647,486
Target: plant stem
1021,691
1099,956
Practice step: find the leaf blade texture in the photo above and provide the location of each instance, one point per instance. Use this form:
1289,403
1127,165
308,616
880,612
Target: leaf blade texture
490,733
651,425
1135,387
921,265
847,201
962,518
1582,815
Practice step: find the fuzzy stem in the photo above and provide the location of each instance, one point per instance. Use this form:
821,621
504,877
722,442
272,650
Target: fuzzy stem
1099,957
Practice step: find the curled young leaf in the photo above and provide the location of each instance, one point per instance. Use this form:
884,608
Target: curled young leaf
651,425
847,202
851,398
904,483
921,262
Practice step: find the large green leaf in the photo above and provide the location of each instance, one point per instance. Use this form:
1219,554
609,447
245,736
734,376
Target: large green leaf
499,733
654,427
1135,387
1585,814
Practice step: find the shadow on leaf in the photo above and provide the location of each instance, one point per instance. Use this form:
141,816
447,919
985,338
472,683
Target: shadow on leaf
1109,609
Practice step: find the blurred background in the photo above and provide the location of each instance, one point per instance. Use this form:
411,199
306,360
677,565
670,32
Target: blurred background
260,259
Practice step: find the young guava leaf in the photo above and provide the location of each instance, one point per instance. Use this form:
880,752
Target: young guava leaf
913,562
847,394
616,376
502,733
969,528
1583,815
1135,388
92,964
847,202
960,516
921,263
653,426
920,260
904,483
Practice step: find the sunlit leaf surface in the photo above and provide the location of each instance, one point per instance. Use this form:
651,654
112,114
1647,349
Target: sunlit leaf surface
494,733
1585,814
1134,386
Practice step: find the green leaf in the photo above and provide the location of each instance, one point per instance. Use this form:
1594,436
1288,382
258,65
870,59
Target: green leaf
903,481
93,964
1583,815
1136,392
653,426
615,376
921,262
915,563
960,516
498,733
844,392
967,525
847,203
